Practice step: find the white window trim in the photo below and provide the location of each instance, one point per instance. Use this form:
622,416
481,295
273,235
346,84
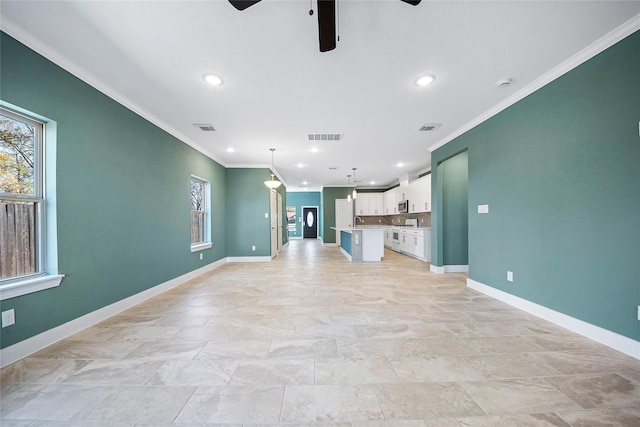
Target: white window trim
51,277
200,246
18,287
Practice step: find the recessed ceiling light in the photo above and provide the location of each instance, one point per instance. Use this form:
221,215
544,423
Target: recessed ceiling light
399,164
425,80
230,150
304,183
314,149
213,80
300,165
372,182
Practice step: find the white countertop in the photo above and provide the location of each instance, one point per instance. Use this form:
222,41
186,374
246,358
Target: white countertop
361,228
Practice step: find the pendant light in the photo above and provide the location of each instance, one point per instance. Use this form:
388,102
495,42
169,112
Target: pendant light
349,187
273,182
355,193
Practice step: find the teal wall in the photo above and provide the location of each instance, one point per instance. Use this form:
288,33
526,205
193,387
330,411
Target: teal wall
247,204
122,196
304,198
329,196
246,222
455,210
560,171
123,213
345,241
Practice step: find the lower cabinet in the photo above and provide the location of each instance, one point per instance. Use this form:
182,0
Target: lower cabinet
388,237
416,243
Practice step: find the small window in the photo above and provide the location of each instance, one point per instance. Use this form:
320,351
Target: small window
200,228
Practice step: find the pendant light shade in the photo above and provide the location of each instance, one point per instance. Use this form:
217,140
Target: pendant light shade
349,187
273,182
355,193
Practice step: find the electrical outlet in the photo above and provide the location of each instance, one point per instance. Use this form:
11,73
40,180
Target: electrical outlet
253,248
8,318
639,312
266,214
509,276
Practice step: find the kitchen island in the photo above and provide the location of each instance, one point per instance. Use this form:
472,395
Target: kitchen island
361,243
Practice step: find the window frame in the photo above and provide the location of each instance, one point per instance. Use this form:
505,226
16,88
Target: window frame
46,263
206,234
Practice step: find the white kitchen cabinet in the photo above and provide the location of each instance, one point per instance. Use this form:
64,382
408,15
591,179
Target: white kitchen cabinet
376,204
405,243
369,204
420,191
388,237
416,243
402,193
390,201
362,203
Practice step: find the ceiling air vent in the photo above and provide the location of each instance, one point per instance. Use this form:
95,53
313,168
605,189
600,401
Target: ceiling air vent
324,136
429,127
205,127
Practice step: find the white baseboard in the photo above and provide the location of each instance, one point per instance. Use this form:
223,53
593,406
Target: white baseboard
345,253
330,244
603,336
29,346
456,268
249,259
449,269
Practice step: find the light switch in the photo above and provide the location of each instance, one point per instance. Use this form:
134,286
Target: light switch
483,209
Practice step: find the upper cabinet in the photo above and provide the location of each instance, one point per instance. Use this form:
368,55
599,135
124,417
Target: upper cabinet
390,202
370,204
420,195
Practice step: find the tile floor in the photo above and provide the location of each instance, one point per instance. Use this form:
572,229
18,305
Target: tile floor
310,339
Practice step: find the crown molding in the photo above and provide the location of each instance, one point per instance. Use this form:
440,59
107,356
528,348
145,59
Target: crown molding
40,47
584,55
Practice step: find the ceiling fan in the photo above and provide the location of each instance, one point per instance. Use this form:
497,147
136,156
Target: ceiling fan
326,19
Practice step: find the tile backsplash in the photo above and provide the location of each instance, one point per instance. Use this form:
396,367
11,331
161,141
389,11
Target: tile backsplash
424,219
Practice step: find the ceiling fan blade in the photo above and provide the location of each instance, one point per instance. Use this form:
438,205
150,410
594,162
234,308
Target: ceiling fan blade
327,24
412,2
242,4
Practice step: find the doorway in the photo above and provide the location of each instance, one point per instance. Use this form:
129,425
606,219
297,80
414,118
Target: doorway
309,222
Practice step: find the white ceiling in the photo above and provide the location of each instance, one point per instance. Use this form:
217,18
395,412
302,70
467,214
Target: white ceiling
152,55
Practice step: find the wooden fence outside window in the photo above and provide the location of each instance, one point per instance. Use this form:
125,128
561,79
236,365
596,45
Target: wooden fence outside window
17,239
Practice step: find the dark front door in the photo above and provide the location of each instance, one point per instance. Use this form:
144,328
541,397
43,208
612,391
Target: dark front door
310,221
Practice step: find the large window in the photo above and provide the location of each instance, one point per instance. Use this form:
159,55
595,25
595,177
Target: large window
28,244
21,196
200,229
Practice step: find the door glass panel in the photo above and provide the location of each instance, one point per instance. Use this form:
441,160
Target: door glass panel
309,219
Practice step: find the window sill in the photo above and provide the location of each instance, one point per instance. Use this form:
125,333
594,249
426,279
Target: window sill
29,285
201,246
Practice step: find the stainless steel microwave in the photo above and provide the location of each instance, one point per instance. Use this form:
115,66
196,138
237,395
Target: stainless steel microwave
403,206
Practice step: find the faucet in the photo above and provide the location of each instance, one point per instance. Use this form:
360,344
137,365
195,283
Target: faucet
359,219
